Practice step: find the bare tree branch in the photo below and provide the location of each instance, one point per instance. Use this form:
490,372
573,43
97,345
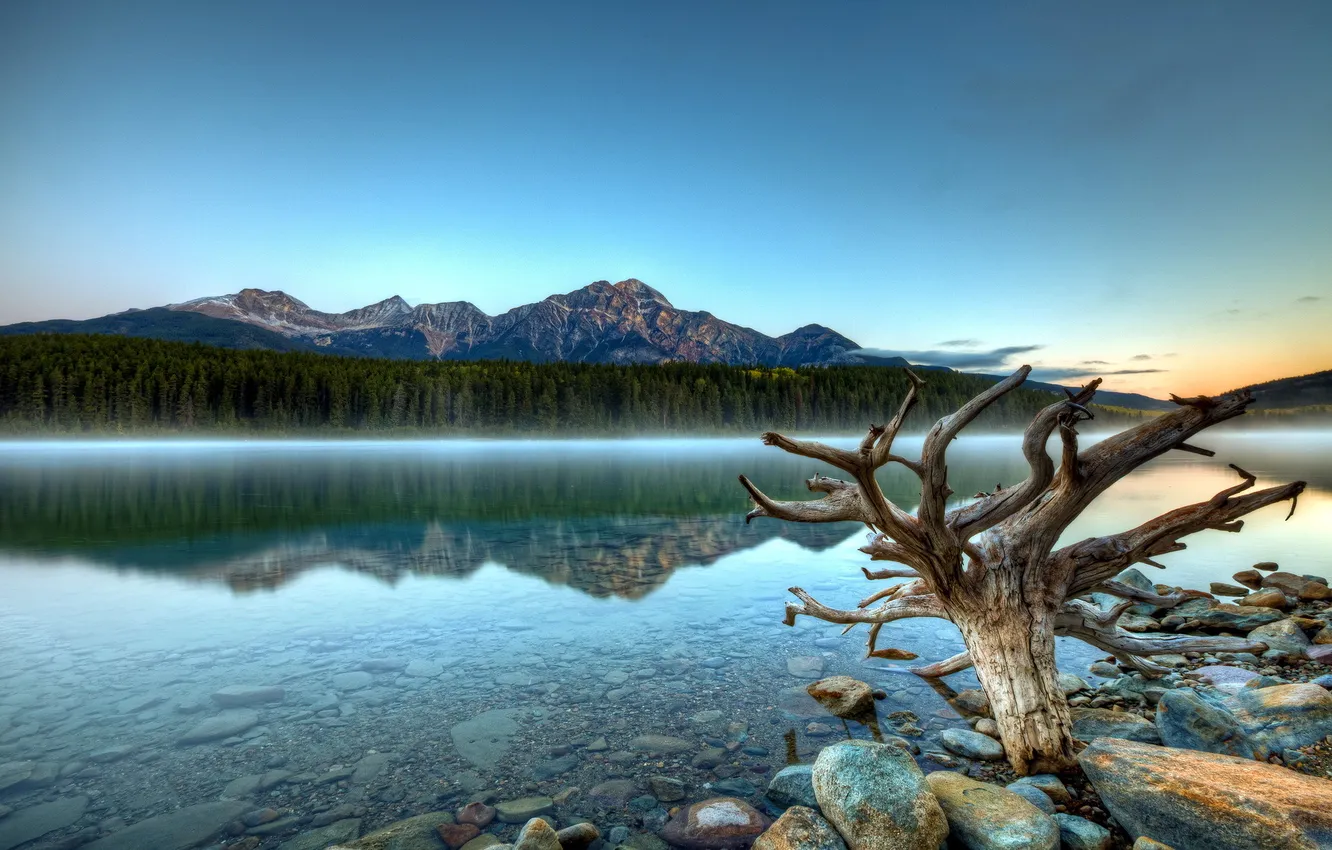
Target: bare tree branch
933,456
902,608
946,667
840,458
842,502
998,506
1097,560
882,450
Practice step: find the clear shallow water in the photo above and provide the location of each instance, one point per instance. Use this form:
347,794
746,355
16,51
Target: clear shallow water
561,592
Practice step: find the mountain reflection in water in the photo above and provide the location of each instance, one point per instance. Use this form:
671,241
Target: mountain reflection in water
608,518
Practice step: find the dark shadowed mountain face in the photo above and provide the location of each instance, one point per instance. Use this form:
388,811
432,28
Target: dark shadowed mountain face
625,322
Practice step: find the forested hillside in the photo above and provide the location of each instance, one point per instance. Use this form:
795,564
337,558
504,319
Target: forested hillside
110,384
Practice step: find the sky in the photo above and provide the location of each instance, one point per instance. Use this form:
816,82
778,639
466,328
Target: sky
1139,190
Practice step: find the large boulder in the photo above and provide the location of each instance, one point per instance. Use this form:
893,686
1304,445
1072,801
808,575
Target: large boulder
725,823
1225,678
987,817
877,797
1284,716
1284,581
1077,833
1186,720
1186,798
176,830
1092,723
843,696
800,828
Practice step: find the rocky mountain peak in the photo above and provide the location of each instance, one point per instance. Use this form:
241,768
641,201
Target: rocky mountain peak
640,291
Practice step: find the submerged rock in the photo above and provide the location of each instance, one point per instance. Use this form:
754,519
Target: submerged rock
800,828
177,830
1186,798
317,839
721,822
877,797
485,738
33,822
987,817
232,721
239,696
524,809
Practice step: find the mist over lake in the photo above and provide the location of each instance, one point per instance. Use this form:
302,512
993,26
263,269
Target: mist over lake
467,609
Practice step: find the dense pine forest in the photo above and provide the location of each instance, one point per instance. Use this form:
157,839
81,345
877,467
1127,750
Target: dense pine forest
70,384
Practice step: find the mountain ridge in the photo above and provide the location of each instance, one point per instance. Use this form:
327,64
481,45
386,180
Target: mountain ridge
603,322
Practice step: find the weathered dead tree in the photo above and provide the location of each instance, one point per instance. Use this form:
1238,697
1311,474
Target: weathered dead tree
990,565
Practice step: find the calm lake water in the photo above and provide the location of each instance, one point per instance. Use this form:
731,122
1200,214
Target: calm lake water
448,619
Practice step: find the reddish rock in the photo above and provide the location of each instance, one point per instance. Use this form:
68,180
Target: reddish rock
1186,798
457,834
477,814
1249,578
721,823
1269,598
1315,590
843,696
1322,653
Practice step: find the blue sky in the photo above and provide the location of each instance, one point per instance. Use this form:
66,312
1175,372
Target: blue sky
1085,184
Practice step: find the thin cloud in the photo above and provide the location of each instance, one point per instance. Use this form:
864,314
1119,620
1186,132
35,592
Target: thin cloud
1060,373
959,343
1141,357
1308,299
1095,363
995,358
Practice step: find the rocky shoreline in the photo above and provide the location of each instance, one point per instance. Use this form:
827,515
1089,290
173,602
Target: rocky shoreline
689,775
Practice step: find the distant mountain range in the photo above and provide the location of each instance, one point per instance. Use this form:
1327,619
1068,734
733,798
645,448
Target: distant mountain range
625,322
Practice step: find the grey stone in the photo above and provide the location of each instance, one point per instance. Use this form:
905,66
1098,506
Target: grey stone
793,786
242,787
177,830
423,669
578,836
1071,684
1092,723
877,798
232,721
1236,617
1282,635
352,681
317,839
666,788
1077,833
805,666
523,809
972,745
987,817
110,754
1186,720
1226,678
1049,784
1033,795
14,772
239,696
484,739
35,821
660,744
555,767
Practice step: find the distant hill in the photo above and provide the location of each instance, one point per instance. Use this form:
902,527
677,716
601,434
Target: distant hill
163,323
1302,391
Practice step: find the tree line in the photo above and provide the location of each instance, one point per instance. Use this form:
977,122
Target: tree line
112,384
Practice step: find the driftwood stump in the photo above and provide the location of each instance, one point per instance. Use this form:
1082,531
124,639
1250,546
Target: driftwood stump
990,567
